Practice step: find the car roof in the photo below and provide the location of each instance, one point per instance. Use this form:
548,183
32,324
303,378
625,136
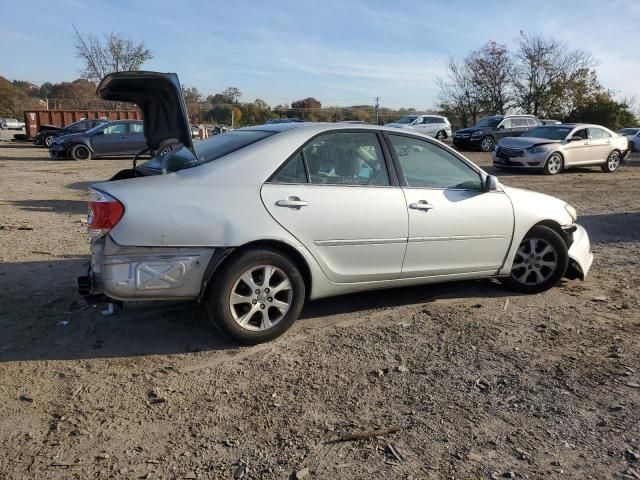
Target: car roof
319,127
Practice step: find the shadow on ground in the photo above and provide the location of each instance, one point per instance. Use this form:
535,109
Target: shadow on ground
44,318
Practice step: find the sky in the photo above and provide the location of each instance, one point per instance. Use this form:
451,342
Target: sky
342,52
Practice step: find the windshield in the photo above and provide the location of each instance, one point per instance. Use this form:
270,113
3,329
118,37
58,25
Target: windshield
489,122
628,131
407,119
208,150
550,132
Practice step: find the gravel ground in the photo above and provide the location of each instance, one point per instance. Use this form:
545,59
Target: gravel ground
481,383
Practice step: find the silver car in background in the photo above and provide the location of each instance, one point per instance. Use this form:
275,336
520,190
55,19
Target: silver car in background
553,148
255,222
435,126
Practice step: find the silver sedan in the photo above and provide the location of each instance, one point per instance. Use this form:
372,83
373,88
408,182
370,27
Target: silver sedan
255,222
553,148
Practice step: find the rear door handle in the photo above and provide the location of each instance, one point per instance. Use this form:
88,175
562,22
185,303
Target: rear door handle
292,202
421,205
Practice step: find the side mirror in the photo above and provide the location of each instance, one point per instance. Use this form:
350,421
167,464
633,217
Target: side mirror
491,183
576,139
500,127
101,132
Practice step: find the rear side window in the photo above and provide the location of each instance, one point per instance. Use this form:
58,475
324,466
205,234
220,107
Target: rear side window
292,172
137,128
346,158
598,133
519,122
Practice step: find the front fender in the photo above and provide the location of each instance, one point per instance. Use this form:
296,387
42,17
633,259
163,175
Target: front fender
530,209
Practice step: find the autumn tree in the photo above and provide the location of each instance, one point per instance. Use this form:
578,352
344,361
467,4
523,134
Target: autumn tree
115,53
80,89
491,69
459,94
306,103
233,93
545,72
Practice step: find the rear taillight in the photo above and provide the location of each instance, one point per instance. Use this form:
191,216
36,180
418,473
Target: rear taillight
104,213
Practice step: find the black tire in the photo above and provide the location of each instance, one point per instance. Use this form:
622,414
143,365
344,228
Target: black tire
554,164
613,162
80,152
47,140
487,144
519,280
218,297
441,136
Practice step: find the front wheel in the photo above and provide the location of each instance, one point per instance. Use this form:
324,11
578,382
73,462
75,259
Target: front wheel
612,163
48,140
81,152
487,144
540,262
553,164
257,297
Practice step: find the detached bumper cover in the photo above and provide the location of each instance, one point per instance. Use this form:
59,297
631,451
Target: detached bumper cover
580,256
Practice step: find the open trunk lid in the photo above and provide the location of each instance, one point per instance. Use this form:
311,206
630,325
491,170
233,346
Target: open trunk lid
159,96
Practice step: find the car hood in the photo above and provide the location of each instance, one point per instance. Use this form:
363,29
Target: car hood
159,96
70,136
470,130
524,142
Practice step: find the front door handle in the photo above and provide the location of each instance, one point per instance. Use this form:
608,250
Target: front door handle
292,202
421,205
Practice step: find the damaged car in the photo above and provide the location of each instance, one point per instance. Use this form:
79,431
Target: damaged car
554,148
254,223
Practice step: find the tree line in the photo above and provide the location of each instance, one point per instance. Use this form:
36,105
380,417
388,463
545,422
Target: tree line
542,76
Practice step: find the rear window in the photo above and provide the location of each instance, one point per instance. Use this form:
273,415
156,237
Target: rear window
208,150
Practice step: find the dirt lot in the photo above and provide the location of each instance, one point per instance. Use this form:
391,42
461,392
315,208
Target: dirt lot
481,382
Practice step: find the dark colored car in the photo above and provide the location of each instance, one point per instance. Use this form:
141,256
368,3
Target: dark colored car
112,139
486,133
46,135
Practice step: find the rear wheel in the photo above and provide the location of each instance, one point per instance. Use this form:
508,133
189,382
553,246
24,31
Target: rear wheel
81,152
257,297
441,135
540,262
487,144
553,164
612,163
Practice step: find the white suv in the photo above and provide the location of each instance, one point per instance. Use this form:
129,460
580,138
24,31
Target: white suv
433,125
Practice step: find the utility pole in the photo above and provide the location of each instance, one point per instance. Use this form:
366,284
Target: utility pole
377,99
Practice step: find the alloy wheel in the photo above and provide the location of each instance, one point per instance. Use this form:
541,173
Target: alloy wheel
261,297
613,162
440,136
554,164
487,144
535,262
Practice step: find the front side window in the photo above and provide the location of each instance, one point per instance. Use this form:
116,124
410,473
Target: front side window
346,158
137,128
581,133
429,166
116,128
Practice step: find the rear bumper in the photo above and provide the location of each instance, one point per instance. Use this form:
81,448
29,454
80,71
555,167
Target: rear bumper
142,273
580,256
